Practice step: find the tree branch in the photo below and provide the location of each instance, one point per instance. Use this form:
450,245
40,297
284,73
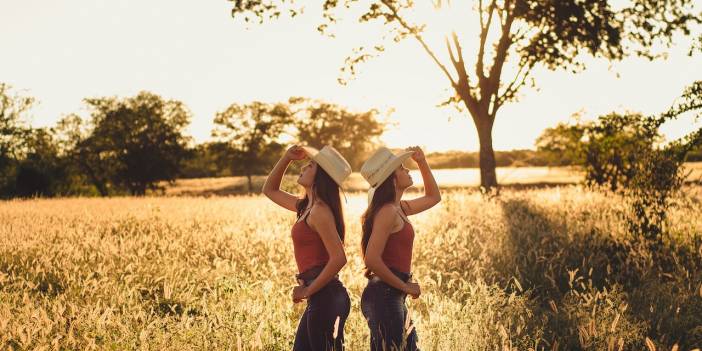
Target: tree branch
462,87
419,38
489,92
514,86
484,30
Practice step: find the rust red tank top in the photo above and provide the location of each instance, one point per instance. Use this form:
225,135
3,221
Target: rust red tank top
398,249
308,247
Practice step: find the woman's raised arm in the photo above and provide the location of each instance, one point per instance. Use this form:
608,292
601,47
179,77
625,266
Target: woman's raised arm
432,196
271,188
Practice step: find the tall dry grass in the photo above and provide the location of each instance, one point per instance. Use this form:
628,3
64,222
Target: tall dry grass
537,269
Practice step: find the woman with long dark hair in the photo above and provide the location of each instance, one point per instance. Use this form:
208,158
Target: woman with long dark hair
317,235
387,243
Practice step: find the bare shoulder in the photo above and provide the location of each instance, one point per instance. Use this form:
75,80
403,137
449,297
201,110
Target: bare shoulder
321,213
387,210
386,214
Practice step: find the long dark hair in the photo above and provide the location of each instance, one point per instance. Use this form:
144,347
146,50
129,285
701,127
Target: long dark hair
326,189
384,194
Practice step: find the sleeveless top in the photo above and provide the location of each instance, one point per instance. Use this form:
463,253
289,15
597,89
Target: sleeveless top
397,253
308,246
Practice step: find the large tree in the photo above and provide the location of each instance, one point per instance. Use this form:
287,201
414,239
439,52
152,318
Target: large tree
353,134
250,135
511,38
87,152
130,143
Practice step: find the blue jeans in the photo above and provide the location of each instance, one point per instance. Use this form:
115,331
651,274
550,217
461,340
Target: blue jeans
386,313
316,329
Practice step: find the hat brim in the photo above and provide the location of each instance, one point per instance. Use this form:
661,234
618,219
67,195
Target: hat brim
326,165
392,166
310,151
387,171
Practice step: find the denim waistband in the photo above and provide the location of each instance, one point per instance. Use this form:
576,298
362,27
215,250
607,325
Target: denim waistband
311,274
404,276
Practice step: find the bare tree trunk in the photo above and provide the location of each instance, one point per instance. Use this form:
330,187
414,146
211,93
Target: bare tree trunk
488,175
483,124
248,176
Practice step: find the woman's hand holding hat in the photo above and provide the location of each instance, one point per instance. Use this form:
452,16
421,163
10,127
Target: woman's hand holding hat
418,154
295,153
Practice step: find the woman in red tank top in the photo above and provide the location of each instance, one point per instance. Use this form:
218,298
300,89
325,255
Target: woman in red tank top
387,242
317,237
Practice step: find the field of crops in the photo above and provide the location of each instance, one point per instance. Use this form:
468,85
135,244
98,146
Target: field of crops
546,269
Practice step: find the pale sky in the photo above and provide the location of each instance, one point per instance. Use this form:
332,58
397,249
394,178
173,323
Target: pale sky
62,51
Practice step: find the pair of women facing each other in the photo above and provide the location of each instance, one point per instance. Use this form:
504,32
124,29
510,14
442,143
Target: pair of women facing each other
387,242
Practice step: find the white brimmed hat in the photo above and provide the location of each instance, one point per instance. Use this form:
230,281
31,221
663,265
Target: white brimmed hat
379,167
331,162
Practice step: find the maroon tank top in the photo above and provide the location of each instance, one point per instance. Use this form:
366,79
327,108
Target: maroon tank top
308,247
398,249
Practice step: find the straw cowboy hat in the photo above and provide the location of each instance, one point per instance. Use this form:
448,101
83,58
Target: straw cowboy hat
380,166
331,161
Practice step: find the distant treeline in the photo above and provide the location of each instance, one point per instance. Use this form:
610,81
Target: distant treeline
204,161
134,144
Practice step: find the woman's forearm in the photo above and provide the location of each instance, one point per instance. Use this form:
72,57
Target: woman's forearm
431,189
332,267
383,271
276,176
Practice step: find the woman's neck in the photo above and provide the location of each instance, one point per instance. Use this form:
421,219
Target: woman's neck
398,195
310,196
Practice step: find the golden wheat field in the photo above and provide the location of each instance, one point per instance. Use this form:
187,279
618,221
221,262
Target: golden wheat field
546,269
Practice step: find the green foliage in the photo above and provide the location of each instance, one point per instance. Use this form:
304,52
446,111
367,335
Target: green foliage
32,161
615,148
13,111
561,29
623,153
694,155
523,34
249,136
354,135
133,143
42,171
562,145
658,174
204,161
13,115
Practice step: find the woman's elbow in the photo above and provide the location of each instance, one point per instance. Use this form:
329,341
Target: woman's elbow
433,199
370,262
340,259
266,191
